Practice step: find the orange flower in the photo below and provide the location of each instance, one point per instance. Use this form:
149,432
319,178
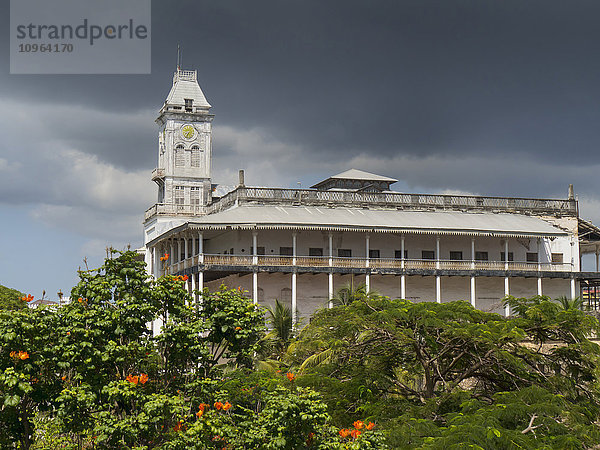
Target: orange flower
166,257
218,405
64,377
13,354
178,426
238,328
355,433
290,376
68,333
143,378
184,277
344,433
80,300
226,406
370,426
23,355
199,413
358,424
27,298
133,379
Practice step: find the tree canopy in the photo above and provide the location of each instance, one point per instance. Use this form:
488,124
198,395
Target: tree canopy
371,373
11,299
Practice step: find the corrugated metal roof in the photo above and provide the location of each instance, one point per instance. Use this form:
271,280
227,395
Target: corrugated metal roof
442,222
355,174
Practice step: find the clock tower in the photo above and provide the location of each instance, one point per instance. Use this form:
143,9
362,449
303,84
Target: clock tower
183,174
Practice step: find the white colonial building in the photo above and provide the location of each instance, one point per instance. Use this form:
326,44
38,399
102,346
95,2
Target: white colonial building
301,245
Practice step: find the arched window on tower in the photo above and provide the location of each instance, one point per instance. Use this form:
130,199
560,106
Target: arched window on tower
179,156
195,156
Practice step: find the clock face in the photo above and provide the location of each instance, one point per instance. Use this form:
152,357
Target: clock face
188,131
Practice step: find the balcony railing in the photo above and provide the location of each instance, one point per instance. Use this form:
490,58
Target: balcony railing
396,200
361,263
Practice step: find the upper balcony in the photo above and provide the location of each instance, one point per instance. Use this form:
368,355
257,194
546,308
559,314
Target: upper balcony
388,200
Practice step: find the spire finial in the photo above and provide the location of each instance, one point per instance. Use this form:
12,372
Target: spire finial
178,58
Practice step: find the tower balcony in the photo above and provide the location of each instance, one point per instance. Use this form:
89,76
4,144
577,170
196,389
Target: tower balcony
158,174
174,209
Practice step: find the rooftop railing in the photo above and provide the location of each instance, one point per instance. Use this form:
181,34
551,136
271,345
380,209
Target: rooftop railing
389,200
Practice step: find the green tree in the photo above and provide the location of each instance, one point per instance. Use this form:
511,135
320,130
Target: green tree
11,299
400,362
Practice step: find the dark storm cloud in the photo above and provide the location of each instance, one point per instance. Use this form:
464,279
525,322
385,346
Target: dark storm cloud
339,79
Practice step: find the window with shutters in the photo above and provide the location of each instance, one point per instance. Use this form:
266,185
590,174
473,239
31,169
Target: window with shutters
532,257
195,195
427,254
286,251
481,256
179,195
344,252
511,256
557,258
315,251
285,296
456,256
373,254
179,156
398,254
195,156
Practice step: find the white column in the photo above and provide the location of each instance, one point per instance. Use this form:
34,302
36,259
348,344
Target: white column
573,288
254,244
155,260
330,249
294,282
506,294
172,256
200,248
201,281
294,299
194,287
367,275
506,280
185,250
255,262
255,287
402,264
438,281
294,248
330,291
178,250
193,252
473,267
539,267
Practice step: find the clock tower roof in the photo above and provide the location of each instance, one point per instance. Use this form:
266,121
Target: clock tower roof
185,94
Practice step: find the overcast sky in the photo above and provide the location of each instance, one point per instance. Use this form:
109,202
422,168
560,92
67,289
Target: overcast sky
489,97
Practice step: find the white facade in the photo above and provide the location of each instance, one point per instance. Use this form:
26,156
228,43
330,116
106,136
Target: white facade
301,245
